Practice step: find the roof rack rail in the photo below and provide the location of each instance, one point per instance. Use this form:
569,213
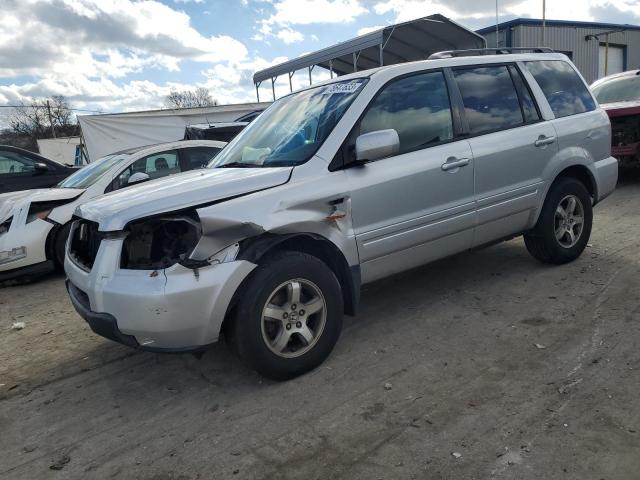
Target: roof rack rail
488,51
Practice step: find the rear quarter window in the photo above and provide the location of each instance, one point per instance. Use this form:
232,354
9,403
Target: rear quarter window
564,89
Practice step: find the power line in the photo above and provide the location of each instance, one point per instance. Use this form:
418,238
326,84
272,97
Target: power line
44,106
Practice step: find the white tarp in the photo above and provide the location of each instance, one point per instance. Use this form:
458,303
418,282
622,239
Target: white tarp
104,134
62,149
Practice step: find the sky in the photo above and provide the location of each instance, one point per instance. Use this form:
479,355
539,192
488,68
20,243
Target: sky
126,55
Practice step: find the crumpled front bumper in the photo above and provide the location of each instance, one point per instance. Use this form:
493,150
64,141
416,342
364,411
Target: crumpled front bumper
24,245
175,309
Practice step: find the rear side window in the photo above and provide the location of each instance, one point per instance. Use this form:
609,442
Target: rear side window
199,157
490,98
417,107
565,91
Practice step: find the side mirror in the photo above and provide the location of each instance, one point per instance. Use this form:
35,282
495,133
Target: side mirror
375,145
40,168
137,177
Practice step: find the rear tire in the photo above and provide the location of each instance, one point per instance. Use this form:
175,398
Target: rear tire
564,226
288,316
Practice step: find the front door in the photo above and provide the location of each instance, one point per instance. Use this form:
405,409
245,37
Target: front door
418,205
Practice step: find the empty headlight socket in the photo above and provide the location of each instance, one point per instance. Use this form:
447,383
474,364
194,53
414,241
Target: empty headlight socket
161,241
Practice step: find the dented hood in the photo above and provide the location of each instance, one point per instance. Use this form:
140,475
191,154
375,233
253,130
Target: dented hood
8,201
177,192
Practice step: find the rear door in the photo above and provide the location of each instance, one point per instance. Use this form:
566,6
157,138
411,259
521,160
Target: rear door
578,122
418,205
511,147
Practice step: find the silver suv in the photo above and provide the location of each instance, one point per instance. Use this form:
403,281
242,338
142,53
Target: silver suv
336,186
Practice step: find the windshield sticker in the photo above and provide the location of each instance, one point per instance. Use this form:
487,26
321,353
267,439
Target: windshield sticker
349,87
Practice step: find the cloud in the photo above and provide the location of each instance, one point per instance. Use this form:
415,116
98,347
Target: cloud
289,36
476,14
79,48
306,12
365,30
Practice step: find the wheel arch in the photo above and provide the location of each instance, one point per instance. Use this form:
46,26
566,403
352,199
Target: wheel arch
256,248
582,173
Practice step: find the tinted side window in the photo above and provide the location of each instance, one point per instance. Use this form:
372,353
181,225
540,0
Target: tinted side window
565,91
417,107
526,100
198,157
489,97
11,163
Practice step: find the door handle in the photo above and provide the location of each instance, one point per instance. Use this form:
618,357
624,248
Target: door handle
453,163
543,141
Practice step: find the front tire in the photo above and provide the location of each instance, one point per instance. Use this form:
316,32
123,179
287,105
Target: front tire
288,316
564,226
59,244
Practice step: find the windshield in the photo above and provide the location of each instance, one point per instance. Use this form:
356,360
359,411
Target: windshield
291,130
87,176
622,89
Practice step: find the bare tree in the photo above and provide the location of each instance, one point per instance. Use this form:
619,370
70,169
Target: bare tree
200,97
43,118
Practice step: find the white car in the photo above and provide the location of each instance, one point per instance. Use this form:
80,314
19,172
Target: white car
34,224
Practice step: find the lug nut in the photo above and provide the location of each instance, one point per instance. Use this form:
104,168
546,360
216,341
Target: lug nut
285,315
288,326
299,324
293,307
301,312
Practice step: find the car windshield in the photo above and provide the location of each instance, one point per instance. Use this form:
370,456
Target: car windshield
621,89
87,176
291,130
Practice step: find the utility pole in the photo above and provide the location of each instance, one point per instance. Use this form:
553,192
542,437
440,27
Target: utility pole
544,15
53,130
497,43
606,54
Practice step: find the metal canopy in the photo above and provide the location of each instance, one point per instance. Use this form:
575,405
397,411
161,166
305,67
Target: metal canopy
403,42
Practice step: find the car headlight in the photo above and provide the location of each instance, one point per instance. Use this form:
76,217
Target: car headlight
160,242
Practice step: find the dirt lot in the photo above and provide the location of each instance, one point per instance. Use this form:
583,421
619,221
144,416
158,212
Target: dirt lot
455,340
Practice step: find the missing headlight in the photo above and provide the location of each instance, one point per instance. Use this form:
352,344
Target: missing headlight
160,242
4,226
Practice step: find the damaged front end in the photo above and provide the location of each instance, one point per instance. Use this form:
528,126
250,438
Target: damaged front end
160,242
625,138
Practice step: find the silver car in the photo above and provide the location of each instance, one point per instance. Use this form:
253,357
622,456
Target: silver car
339,185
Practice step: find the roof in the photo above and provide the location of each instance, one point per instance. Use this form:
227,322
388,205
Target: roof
240,107
403,42
556,23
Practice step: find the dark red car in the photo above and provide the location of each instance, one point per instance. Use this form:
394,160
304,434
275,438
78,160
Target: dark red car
619,96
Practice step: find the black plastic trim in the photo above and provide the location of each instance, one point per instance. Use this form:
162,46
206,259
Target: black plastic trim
34,270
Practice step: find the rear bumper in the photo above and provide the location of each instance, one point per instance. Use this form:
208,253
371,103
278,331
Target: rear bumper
625,150
606,176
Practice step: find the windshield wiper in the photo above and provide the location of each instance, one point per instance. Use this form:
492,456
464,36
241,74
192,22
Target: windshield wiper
239,165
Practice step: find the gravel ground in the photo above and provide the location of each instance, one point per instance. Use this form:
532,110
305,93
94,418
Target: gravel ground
484,365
